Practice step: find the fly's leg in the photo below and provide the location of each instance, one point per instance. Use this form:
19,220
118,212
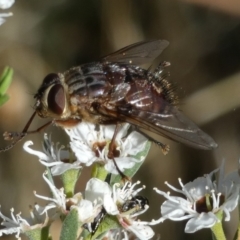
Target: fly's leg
18,136
15,137
112,143
111,153
112,147
165,147
11,135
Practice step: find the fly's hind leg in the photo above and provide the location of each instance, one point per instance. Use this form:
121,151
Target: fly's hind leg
165,147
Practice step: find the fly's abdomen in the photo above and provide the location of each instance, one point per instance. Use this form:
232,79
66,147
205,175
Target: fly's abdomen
145,92
145,96
139,93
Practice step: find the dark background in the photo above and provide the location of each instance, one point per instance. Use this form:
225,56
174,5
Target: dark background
52,36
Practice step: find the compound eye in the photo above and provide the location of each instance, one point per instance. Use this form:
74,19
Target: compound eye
56,99
50,79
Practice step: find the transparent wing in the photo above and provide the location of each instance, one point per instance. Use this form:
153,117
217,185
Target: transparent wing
138,53
171,124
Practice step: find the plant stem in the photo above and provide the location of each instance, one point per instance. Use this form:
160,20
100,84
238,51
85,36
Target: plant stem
217,229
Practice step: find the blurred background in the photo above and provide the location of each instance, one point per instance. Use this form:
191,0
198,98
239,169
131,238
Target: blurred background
204,51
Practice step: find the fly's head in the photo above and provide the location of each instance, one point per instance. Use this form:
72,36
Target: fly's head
51,101
51,98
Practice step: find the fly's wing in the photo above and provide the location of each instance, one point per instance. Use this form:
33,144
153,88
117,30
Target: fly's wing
138,53
171,124
145,109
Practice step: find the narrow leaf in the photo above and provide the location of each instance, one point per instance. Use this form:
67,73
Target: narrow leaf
70,226
5,80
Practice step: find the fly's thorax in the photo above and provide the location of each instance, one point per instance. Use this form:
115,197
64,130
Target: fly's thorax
87,81
52,97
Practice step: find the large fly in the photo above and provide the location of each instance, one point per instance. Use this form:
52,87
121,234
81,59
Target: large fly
115,90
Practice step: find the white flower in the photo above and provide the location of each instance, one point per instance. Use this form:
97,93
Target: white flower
203,199
120,234
131,205
54,157
90,145
58,202
122,202
17,225
140,229
98,194
126,192
233,177
100,191
117,234
4,4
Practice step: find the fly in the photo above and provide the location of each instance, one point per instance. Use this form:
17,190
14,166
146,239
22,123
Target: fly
115,90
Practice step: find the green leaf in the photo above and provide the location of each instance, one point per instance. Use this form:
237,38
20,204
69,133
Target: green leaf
131,172
5,80
70,226
38,233
69,179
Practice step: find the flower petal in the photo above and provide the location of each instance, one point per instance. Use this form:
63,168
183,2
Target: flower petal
61,168
4,4
96,189
39,154
204,220
141,231
85,210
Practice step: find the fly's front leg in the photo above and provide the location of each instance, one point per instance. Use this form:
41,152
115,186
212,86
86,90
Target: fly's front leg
15,137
